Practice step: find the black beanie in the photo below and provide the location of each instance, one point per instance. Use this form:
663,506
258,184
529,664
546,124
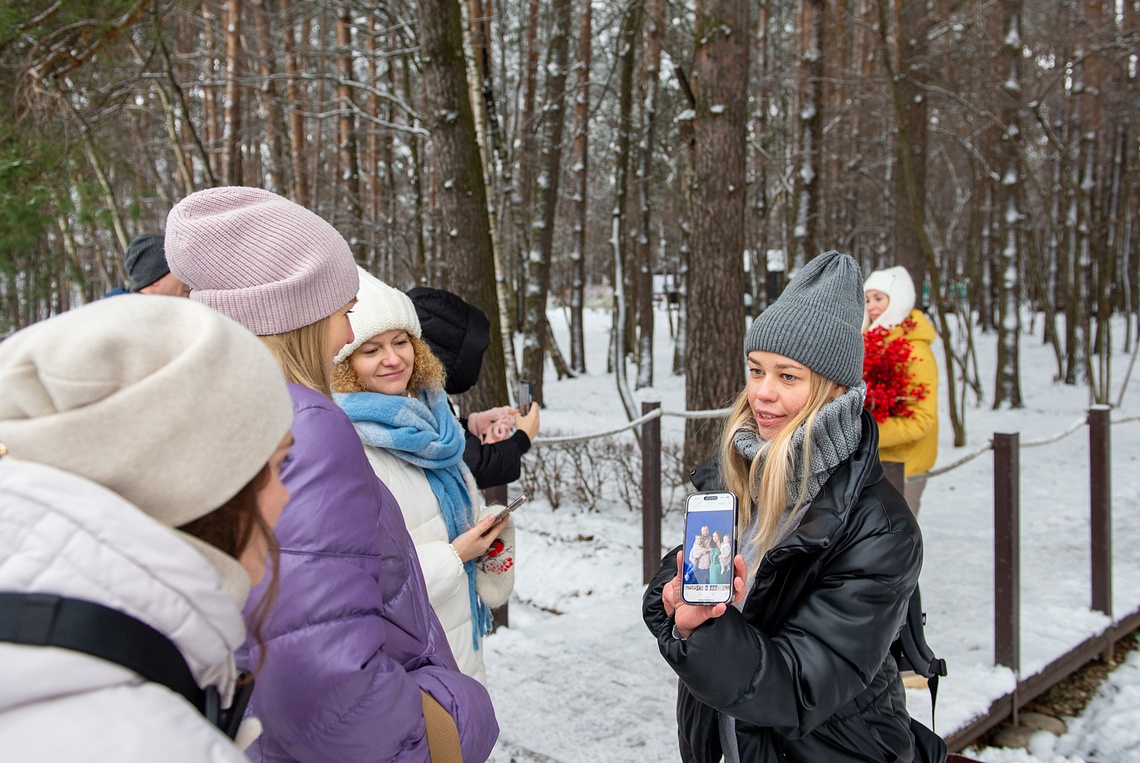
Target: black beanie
457,332
146,260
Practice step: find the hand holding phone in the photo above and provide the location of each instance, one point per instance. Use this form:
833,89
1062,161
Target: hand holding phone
710,548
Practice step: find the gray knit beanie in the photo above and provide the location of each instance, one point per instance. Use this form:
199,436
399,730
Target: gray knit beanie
175,417
268,263
817,320
145,260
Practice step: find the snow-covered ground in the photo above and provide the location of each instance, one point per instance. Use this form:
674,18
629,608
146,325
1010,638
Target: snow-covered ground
577,677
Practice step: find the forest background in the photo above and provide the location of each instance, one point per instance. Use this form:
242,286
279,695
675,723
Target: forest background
529,154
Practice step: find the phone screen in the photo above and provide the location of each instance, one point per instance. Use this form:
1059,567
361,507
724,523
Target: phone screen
526,393
710,547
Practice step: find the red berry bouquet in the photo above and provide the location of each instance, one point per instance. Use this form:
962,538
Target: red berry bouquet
890,390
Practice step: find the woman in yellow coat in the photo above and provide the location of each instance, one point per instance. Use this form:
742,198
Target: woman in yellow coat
913,440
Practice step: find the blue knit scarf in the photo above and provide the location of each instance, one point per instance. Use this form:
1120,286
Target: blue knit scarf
424,432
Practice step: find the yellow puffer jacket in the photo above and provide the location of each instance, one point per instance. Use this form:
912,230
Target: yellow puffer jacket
914,440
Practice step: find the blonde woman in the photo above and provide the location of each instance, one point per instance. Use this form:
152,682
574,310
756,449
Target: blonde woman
798,666
357,664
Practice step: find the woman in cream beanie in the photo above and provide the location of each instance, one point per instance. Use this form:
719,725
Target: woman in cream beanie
798,665
911,439
358,658
141,475
390,384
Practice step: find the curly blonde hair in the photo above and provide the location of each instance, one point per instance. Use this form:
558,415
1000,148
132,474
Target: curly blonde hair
428,372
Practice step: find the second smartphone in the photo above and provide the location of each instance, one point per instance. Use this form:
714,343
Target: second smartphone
710,547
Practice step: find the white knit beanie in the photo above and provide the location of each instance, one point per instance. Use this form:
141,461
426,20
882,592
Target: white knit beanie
268,263
897,285
169,404
379,308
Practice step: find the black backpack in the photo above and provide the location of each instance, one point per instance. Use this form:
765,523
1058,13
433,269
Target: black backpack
38,619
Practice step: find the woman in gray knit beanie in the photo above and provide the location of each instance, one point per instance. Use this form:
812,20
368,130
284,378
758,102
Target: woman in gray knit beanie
799,666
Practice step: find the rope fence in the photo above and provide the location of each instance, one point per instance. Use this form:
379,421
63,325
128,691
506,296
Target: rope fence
657,413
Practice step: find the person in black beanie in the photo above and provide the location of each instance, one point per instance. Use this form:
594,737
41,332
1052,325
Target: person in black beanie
459,333
798,666
146,265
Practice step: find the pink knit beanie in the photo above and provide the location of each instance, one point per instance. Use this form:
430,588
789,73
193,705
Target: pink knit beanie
268,263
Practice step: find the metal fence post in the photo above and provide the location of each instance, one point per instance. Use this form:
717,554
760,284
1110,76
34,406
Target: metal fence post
1007,577
650,493
499,615
1100,507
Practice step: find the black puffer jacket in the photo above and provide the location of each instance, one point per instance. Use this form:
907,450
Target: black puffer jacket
805,667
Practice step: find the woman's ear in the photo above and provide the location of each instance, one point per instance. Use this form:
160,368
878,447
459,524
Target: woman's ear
836,391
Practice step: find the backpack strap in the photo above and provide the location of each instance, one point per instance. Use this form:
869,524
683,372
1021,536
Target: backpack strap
913,653
38,619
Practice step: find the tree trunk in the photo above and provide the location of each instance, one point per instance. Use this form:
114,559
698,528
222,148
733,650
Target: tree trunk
523,211
626,54
346,136
579,165
546,200
911,202
270,106
487,134
650,76
231,131
715,328
1007,384
465,240
297,140
914,25
808,213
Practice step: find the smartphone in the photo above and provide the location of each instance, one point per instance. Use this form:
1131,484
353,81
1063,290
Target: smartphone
526,394
506,511
710,547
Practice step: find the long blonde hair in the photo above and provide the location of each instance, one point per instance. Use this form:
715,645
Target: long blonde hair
761,485
427,371
304,355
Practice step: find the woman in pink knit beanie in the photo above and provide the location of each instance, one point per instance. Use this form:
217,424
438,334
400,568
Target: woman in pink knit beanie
359,667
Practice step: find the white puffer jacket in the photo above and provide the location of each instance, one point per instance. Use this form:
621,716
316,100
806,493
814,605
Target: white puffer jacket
446,578
62,534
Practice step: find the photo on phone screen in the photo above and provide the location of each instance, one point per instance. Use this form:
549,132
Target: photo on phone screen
710,547
526,394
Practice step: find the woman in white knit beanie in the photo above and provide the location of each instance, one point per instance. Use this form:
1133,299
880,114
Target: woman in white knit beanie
139,492
391,385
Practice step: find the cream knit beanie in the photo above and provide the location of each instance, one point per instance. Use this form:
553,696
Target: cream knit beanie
896,283
271,265
379,308
169,404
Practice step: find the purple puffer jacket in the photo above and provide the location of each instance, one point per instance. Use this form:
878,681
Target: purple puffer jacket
352,638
